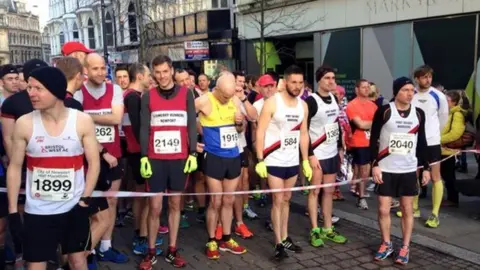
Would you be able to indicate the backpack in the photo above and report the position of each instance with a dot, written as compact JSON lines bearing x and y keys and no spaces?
{"x":466,"y":140}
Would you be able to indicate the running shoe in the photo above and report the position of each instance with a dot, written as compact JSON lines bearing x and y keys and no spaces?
{"x":184,"y":222}
{"x":174,"y":258}
{"x":248,"y":212}
{"x":256,"y":196}
{"x":416,"y":213}
{"x":218,"y":232}
{"x":163,"y":229}
{"x":337,"y":195}
{"x":142,"y":249}
{"x":201,"y":218}
{"x":432,"y":222}
{"x":371,"y":187}
{"x":212,"y":250}
{"x":269,"y":225}
{"x":362,"y":204}
{"x":385,"y":250}
{"x":232,"y":247}
{"x":315,"y":238}
{"x":263,"y":201}
{"x":136,"y":240}
{"x":10,"y":256}
{"x":119,"y":221}
{"x":242,"y":231}
{"x":305,"y":191}
{"x":112,"y":255}
{"x":189,"y":206}
{"x":280,"y":252}
{"x":129,"y":214}
{"x":148,"y":262}
{"x":395,"y":203}
{"x":403,"y":256}
{"x":291,"y":246}
{"x":335,"y":219}
{"x":92,"y":262}
{"x":332,"y":235}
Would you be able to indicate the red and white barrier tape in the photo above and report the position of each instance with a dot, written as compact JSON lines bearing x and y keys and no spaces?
{"x":124,"y":194}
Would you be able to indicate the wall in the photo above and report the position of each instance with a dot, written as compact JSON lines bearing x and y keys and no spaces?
{"x":334,"y":14}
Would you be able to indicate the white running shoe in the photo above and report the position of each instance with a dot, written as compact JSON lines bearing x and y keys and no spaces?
{"x":248,"y":212}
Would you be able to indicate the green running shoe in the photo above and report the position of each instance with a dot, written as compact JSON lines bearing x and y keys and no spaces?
{"x":315,"y":238}
{"x":332,"y":235}
{"x":432,"y":222}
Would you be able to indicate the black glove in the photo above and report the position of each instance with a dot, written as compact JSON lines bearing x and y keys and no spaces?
{"x":16,"y":227}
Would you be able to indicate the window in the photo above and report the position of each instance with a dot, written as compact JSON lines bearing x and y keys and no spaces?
{"x":91,"y":34}
{"x":219,"y":3}
{"x":109,"y":29}
{"x":75,"y":31}
{"x":62,"y":38}
{"x":132,"y":23}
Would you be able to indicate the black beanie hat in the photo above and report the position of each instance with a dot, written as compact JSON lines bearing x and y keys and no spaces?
{"x":53,"y":79}
{"x":31,"y":65}
{"x":7,"y":69}
{"x":399,"y":83}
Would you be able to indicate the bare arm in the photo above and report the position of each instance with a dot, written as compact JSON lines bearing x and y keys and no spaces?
{"x":251,"y":111}
{"x":115,"y":118}
{"x":238,"y":104}
{"x":262,"y":124}
{"x":304,"y":136}
{"x":14,"y":171}
{"x":145,"y":124}
{"x":90,"y":145}
{"x":365,"y":125}
{"x":8,"y":125}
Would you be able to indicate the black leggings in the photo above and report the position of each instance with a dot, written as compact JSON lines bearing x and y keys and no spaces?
{"x":447,"y":170}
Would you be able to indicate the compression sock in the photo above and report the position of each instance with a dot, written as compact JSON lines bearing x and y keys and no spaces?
{"x":415,"y":203}
{"x":437,"y":196}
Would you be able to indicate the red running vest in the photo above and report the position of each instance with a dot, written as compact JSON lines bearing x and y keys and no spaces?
{"x":168,"y":126}
{"x":132,"y":144}
{"x":108,"y":136}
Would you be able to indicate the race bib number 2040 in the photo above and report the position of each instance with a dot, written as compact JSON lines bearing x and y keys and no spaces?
{"x":52,"y":184}
{"x":401,"y":143}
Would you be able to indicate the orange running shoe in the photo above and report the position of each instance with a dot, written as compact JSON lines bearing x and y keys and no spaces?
{"x":242,"y":231}
{"x":219,"y":232}
{"x":212,"y":250}
{"x":232,"y":247}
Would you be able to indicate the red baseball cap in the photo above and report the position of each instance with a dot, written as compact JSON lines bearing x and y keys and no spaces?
{"x":265,"y":80}
{"x":74,"y":46}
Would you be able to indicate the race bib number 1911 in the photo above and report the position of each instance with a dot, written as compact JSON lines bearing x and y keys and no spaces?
{"x":52,"y":184}
{"x":228,"y":137}
{"x":401,"y":143}
{"x":105,"y":134}
{"x":167,"y":142}
{"x":290,"y":140}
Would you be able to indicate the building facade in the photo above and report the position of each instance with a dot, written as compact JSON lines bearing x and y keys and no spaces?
{"x":378,"y":40}
{"x":46,"y":49}
{"x":19,"y":33}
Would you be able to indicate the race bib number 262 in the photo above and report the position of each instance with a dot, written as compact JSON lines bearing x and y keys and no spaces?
{"x":105,"y":134}
{"x":52,"y":184}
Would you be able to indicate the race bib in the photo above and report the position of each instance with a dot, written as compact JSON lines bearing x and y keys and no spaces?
{"x":167,"y":142}
{"x":52,"y":184}
{"x":401,"y":143}
{"x":367,"y":134}
{"x":105,"y":134}
{"x":332,"y":132}
{"x":228,"y":137}
{"x":290,"y":140}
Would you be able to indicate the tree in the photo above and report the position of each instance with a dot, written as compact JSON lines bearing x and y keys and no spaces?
{"x":274,"y":18}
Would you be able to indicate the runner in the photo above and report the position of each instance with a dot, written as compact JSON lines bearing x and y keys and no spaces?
{"x":203,"y":83}
{"x":282,"y":136}
{"x":121,"y":77}
{"x":76,"y":49}
{"x":104,"y":103}
{"x":325,"y":154}
{"x":168,"y":140}
{"x":55,"y":140}
{"x":360,"y":113}
{"x":22,"y":83}
{"x":10,"y":80}
{"x":73,"y":71}
{"x":221,"y":120}
{"x":399,"y":143}
{"x":434,"y":104}
{"x":139,"y":82}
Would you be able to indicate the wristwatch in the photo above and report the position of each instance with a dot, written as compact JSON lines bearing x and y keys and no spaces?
{"x":86,"y":200}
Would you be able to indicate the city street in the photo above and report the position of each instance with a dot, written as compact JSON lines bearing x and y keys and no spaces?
{"x":356,"y":254}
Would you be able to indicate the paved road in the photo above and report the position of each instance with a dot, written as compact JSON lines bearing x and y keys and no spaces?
{"x":356,"y":254}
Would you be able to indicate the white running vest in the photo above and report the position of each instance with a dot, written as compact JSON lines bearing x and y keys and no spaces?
{"x":324,"y":130}
{"x":398,"y":142}
{"x":282,"y":137}
{"x":55,"y":173}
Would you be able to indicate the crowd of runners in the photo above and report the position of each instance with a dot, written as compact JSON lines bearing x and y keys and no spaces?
{"x":68,"y":131}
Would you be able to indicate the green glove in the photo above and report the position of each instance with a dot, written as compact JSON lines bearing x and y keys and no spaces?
{"x":145,"y":168}
{"x":307,"y":170}
{"x":261,"y":169}
{"x":191,"y":164}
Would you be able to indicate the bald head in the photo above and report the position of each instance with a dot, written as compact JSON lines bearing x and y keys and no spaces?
{"x":95,"y":68}
{"x":226,"y":85}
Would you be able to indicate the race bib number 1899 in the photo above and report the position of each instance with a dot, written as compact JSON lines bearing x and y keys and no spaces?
{"x":401,"y":143}
{"x":105,"y":134}
{"x":52,"y":184}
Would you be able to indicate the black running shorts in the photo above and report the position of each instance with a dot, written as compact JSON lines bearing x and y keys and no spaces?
{"x":330,"y":165}
{"x":398,"y":185}
{"x":167,"y":175}
{"x":221,"y":168}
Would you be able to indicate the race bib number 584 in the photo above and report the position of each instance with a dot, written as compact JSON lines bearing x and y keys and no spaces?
{"x":52,"y":184}
{"x":290,"y":140}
